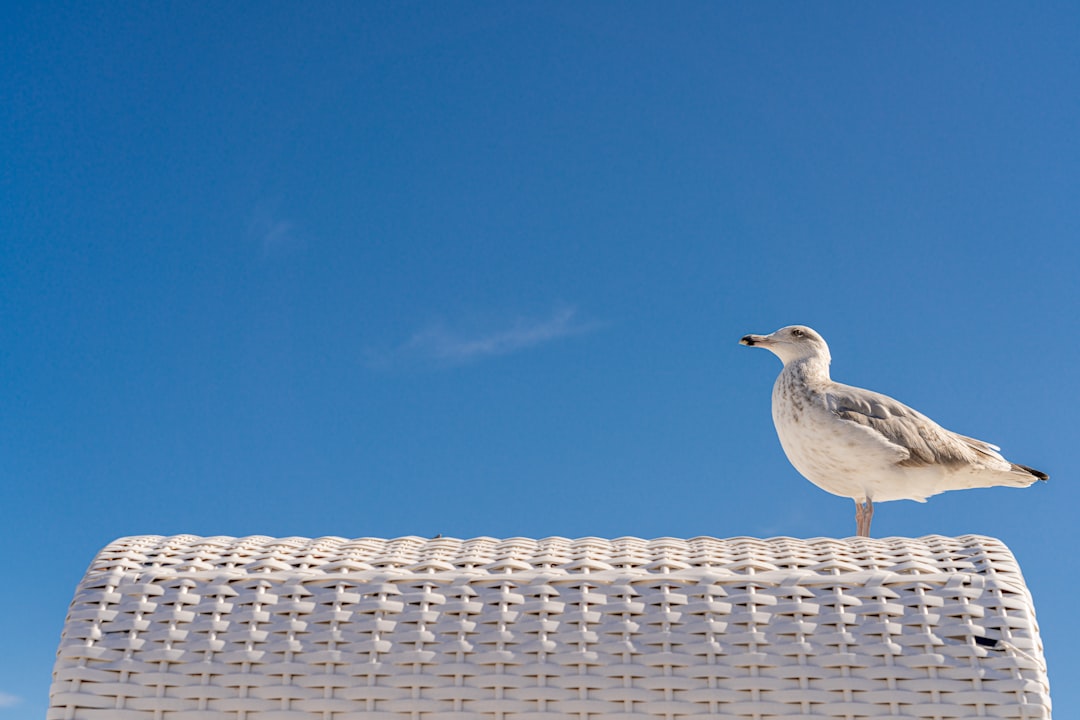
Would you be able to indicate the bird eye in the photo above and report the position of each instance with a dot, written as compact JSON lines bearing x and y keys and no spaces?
{"x":797,"y":332}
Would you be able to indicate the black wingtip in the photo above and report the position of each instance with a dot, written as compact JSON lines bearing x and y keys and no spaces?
{"x":1037,"y":473}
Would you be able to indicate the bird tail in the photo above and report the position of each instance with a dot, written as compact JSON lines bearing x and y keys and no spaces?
{"x":1018,"y":475}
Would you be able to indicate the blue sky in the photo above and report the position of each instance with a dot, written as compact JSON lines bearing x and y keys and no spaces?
{"x":381,"y":269}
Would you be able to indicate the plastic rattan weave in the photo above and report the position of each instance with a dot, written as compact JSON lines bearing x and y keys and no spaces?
{"x":258,"y":628}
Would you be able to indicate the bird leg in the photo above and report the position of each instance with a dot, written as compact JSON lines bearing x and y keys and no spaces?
{"x":864,"y":513}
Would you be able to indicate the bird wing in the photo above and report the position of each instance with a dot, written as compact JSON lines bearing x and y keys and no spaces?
{"x":925,"y":442}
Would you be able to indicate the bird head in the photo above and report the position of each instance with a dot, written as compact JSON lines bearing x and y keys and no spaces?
{"x":792,"y":343}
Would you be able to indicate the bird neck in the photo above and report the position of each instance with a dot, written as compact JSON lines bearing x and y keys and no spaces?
{"x":809,"y":369}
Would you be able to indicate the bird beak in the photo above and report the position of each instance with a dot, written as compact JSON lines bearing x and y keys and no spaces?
{"x":752,"y":340}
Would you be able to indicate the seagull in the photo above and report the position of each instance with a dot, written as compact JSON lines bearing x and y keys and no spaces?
{"x":867,"y":446}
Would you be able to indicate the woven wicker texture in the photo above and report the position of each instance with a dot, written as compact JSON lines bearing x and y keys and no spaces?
{"x":258,"y":628}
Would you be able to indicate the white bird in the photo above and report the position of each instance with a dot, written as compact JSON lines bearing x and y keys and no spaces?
{"x":867,"y":446}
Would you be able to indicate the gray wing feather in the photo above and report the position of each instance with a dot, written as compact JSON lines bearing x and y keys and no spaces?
{"x":926,"y":442}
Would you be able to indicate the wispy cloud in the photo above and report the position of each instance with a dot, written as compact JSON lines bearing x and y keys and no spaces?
{"x":7,"y":700}
{"x":275,"y":235}
{"x":443,"y":344}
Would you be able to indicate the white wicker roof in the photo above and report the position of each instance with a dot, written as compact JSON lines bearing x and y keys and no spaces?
{"x":258,"y":628}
